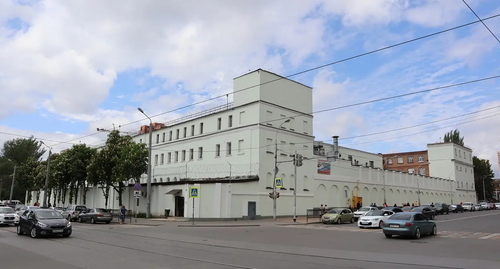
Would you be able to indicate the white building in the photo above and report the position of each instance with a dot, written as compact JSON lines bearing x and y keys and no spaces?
{"x":228,"y":153}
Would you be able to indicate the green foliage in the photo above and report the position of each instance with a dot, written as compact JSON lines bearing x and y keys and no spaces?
{"x":21,"y":149}
{"x":454,"y":136}
{"x":482,"y":170}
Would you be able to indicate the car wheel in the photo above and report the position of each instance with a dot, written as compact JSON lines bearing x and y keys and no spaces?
{"x":339,"y":221}
{"x":19,"y":230}
{"x":434,"y":230}
{"x":448,"y":212}
{"x":66,"y":235}
{"x":388,"y":235}
{"x":352,"y":220}
{"x":417,"y":233}
{"x":380,"y":224}
{"x":92,"y":220}
{"x":33,"y":233}
{"x":107,"y":222}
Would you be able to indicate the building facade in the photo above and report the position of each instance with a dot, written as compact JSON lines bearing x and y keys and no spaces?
{"x":228,"y":153}
{"x":415,"y":162}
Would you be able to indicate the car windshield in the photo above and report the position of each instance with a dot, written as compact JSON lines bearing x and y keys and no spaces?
{"x":334,"y":211}
{"x":417,"y":209}
{"x":375,"y":213}
{"x":437,"y":204}
{"x":48,"y":215}
{"x":400,"y":216}
{"x":80,"y":208}
{"x":4,"y":210}
{"x":364,"y":209}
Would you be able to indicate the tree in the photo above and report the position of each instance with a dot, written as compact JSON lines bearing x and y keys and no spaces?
{"x":21,"y":149}
{"x":33,"y":173}
{"x":454,"y":136}
{"x":6,"y":170}
{"x":79,"y":158}
{"x":61,"y":177}
{"x":482,"y":170}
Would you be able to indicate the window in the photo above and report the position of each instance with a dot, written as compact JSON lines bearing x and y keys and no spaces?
{"x":459,"y":153}
{"x":269,"y":145}
{"x":140,"y":140}
{"x":230,"y":121}
{"x":176,"y":156}
{"x":163,"y":138}
{"x":421,"y":171}
{"x":410,"y":159}
{"x":162,"y":159}
{"x":157,"y":138}
{"x":240,"y":145}
{"x":219,"y":123}
{"x":242,"y":117}
{"x":177,"y":134}
{"x":191,"y":154}
{"x":156,"y":159}
{"x":228,"y":148}
{"x":200,"y":153}
{"x":201,"y":127}
{"x":170,"y":136}
{"x":169,"y":157}
{"x":420,"y":159}
{"x":183,"y":158}
{"x":217,"y":150}
{"x":389,"y":160}
{"x":400,"y":159}
{"x":185,"y":132}
{"x":192,"y":130}
{"x":411,"y":171}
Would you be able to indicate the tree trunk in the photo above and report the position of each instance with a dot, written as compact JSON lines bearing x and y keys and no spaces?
{"x":76,"y":189}
{"x":105,"y":191}
{"x":65,"y":190}
{"x":85,"y":190}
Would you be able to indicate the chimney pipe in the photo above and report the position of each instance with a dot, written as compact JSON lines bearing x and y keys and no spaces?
{"x":336,"y":146}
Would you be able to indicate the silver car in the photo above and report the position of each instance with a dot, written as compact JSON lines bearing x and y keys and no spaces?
{"x":8,"y":216}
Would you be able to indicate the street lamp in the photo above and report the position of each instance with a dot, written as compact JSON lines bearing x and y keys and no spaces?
{"x":46,"y":186}
{"x":148,"y":184}
{"x":418,"y":179}
{"x":276,"y":167}
{"x":484,"y":189}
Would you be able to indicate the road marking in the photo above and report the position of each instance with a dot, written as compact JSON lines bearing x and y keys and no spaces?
{"x":489,"y":236}
{"x":471,"y":217}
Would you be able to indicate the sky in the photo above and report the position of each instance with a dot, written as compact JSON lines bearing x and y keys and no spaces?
{"x":70,"y":67}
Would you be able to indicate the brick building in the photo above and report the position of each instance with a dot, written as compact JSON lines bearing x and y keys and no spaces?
{"x":415,"y":162}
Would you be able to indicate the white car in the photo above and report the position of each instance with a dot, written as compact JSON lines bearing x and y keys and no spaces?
{"x":362,"y":211}
{"x":8,"y":216}
{"x":497,"y":205}
{"x":374,"y":218}
{"x":468,"y":206}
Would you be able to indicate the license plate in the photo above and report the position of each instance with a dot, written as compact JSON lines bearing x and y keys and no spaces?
{"x":394,"y":226}
{"x":364,"y":222}
{"x":57,"y":231}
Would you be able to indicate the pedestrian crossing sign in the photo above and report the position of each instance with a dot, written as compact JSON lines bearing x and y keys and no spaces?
{"x":193,"y":192}
{"x":278,"y":182}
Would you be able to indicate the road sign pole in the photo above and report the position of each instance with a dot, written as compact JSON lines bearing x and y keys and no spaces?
{"x":136,"y":201}
{"x":193,"y":211}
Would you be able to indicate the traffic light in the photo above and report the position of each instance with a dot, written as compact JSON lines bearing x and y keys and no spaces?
{"x":299,"y":159}
{"x":277,"y":195}
{"x":271,"y":195}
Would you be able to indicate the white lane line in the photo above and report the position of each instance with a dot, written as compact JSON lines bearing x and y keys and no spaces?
{"x":471,"y":217}
{"x":489,"y":236}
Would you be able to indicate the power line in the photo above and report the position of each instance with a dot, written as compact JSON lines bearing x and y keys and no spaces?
{"x":319,"y":67}
{"x":491,"y":32}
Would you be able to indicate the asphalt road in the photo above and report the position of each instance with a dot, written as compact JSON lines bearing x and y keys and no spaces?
{"x":468,"y":240}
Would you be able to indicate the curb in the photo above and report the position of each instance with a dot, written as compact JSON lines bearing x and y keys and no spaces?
{"x":217,"y":226}
{"x":292,"y":224}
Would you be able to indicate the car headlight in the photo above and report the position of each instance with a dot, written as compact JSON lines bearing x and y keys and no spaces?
{"x":375,"y":219}
{"x":68,"y":225}
{"x":43,"y":225}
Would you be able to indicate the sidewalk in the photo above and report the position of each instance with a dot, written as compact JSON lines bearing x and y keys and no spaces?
{"x":185,"y":222}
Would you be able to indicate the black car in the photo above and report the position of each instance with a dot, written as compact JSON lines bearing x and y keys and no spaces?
{"x":43,"y":222}
{"x":426,"y":211}
{"x":442,"y":208}
{"x":394,"y":209}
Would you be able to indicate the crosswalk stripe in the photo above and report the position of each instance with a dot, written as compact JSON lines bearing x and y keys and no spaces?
{"x":489,"y":236}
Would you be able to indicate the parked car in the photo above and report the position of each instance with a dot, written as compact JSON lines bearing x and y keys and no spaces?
{"x":375,"y":218}
{"x":409,"y":224}
{"x":484,"y":205}
{"x":394,"y":209}
{"x":468,"y":206}
{"x":338,"y":215}
{"x":43,"y":222}
{"x":72,"y":211}
{"x":442,"y":208}
{"x":478,"y":207}
{"x":426,"y":211}
{"x":407,"y":208}
{"x":456,"y":208}
{"x":95,"y":215}
{"x":21,"y":210}
{"x":497,"y":205}
{"x":8,"y":216}
{"x":362,"y":211}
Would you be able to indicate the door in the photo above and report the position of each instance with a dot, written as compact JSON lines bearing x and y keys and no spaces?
{"x":179,"y":206}
{"x":252,"y":210}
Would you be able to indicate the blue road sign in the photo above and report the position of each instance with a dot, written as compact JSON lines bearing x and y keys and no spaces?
{"x":279,"y":182}
{"x":137,"y":186}
{"x":193,"y":192}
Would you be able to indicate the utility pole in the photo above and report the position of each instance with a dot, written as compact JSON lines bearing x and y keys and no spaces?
{"x":148,"y":184}
{"x":12,"y":184}
{"x":383,"y":178}
{"x":276,"y":168}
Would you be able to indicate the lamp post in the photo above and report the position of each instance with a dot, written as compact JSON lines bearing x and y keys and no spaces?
{"x":12,"y":184}
{"x":484,"y":189}
{"x":148,"y":184}
{"x":276,"y":167}
{"x":46,"y":185}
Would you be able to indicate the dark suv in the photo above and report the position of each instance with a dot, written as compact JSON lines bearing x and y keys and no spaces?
{"x":442,"y":208}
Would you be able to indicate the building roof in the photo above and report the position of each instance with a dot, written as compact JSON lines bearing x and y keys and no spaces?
{"x":281,"y":77}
